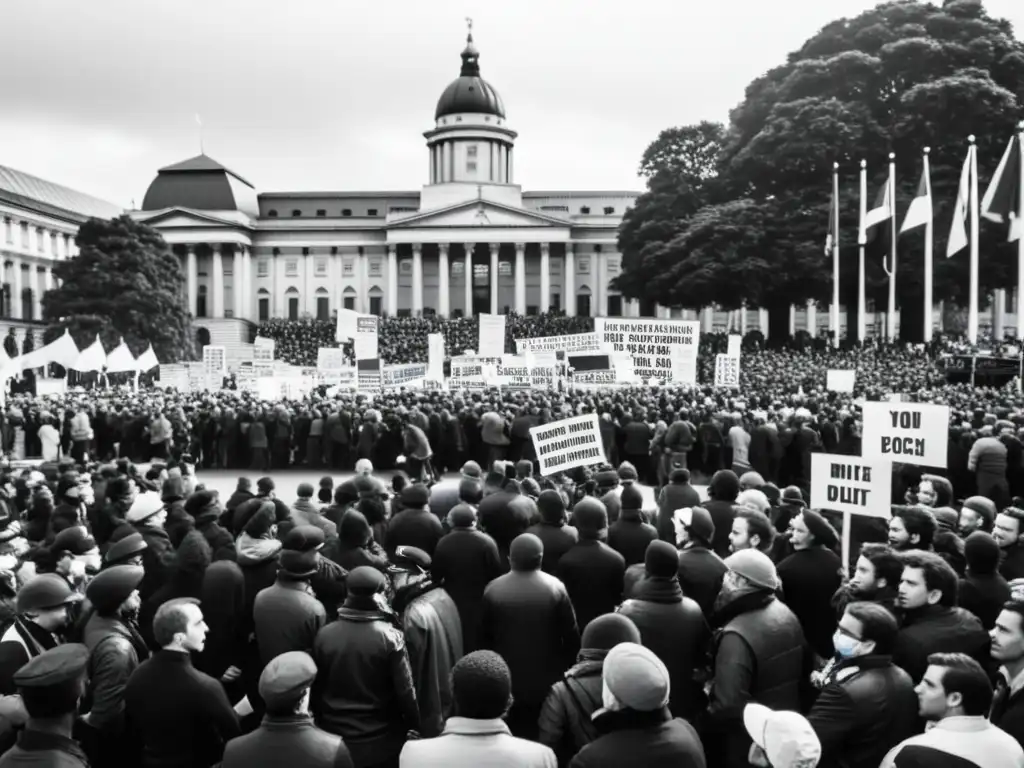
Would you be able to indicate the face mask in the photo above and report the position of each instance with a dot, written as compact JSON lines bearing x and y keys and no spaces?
{"x":845,"y":645}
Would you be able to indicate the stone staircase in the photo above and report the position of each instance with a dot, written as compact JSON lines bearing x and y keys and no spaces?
{"x":232,"y":334}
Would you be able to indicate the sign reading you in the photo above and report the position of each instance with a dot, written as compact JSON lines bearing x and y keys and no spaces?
{"x":568,"y":443}
{"x":909,"y":433}
{"x":850,"y":484}
{"x":650,"y":342}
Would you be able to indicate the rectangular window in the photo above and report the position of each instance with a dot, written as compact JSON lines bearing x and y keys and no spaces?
{"x":471,"y":166}
{"x":556,"y":302}
{"x":583,"y":265}
{"x":293,"y":309}
{"x":504,"y":268}
{"x":40,"y":240}
{"x":583,"y":304}
{"x":375,"y":268}
{"x":262,"y":268}
{"x":264,"y":310}
{"x":531,"y":309}
{"x":405,"y":313}
{"x":375,"y":305}
{"x":291,"y":268}
{"x":405,"y":267}
{"x":348,"y":268}
{"x":471,"y":151}
{"x":350,"y":302}
{"x":371,"y":212}
{"x":323,"y":308}
{"x":321,"y":267}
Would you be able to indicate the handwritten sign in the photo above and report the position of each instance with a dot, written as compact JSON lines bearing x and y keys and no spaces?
{"x":576,"y":342}
{"x":568,"y":443}
{"x":840,"y":380}
{"x":851,"y":484}
{"x":365,"y":341}
{"x":649,"y":341}
{"x":727,"y":371}
{"x":910,"y":433}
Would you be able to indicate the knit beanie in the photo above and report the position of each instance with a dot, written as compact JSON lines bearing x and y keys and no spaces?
{"x":461,"y":516}
{"x":470,"y":491}
{"x":481,"y":686}
{"x":526,"y":552}
{"x":820,"y":528}
{"x":627,"y":472}
{"x":947,"y":518}
{"x":661,"y":559}
{"x":551,"y":506}
{"x":605,"y":632}
{"x":631,"y":497}
{"x":755,"y":566}
{"x":981,"y":553}
{"x":590,"y":515}
{"x":984,"y":506}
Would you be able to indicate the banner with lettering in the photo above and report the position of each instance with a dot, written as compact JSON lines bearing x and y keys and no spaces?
{"x":366,"y":337}
{"x":650,"y":342}
{"x":727,"y":371}
{"x":851,"y":484}
{"x":368,"y":376}
{"x":514,"y":373}
{"x":570,"y":344}
{"x":467,"y":371}
{"x":568,"y":443}
{"x":909,"y":433}
{"x":491,"y":339}
{"x":410,"y":376}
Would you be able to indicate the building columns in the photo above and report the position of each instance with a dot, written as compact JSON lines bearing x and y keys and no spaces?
{"x":16,"y":292}
{"x":37,"y":293}
{"x":238,"y":283}
{"x":417,"y":280}
{"x":443,"y":276}
{"x":569,"y":274}
{"x":493,"y":275}
{"x":191,"y":279}
{"x":468,"y":311}
{"x":545,"y":277}
{"x":521,"y":278}
{"x":393,"y":280}
{"x":812,"y":319}
{"x":217,"y":291}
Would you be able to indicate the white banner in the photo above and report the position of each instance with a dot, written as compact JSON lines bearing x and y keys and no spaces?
{"x":410,"y":375}
{"x":649,"y":341}
{"x":492,"y":334}
{"x":514,"y":373}
{"x":684,"y":364}
{"x":215,"y":361}
{"x":568,"y":443}
{"x":571,"y":344}
{"x":467,"y":372}
{"x":727,"y":371}
{"x":851,"y":484}
{"x":840,"y":380}
{"x":329,"y":359}
{"x":909,"y":433}
{"x":366,"y":337}
{"x":435,"y":356}
{"x":735,"y":345}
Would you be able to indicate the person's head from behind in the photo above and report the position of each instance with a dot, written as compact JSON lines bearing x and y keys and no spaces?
{"x":526,"y":552}
{"x":926,"y":580}
{"x":285,"y":683}
{"x":263,"y":524}
{"x":953,"y":685}
{"x":179,"y":626}
{"x":865,"y":629}
{"x":53,"y":684}
{"x":481,"y":686}
{"x":911,"y":528}
{"x":878,"y":568}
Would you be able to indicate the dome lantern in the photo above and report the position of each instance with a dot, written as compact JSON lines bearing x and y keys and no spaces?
{"x":469,"y":93}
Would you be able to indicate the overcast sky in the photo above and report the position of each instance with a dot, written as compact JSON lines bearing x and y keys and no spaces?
{"x":335,"y":94}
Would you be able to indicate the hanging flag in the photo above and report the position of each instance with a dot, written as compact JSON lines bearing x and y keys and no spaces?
{"x":920,"y":211}
{"x":1002,"y":200}
{"x":958,"y":231}
{"x":878,"y":214}
{"x":833,"y":225}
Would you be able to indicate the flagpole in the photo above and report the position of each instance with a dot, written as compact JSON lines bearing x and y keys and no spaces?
{"x":1020,"y":238}
{"x":929,"y":240}
{"x":835,"y":255}
{"x":862,"y":239}
{"x":972,"y":304}
{"x":892,"y":247}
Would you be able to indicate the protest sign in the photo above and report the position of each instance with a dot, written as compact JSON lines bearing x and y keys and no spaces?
{"x":435,"y":356}
{"x":735,"y":343}
{"x":492,"y":334}
{"x":840,"y":380}
{"x":366,"y":337}
{"x":570,"y":344}
{"x":514,"y":372}
{"x":329,"y":359}
{"x":568,"y":443}
{"x":684,"y":364}
{"x":851,"y":484}
{"x":727,"y":371}
{"x":649,"y":341}
{"x":347,"y":325}
{"x":215,"y":361}
{"x":467,"y":371}
{"x":368,"y":375}
{"x":410,"y":375}
{"x":910,"y":433}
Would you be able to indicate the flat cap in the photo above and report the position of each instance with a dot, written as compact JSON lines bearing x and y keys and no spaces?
{"x":286,"y":678}
{"x":125,"y":548}
{"x":144,"y":507}
{"x":75,"y":540}
{"x":56,"y":666}
{"x":48,"y":590}
{"x":112,"y":586}
{"x":365,"y":580}
{"x":298,"y":565}
{"x":820,"y":528}
{"x":415,"y":495}
{"x":304,"y":538}
{"x":411,"y":557}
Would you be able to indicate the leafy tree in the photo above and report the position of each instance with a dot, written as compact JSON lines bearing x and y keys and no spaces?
{"x":896,"y":78}
{"x":126,"y":283}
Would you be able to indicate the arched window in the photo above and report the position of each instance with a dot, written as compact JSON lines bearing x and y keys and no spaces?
{"x":583,"y":301}
{"x":27,"y":305}
{"x":376,"y":296}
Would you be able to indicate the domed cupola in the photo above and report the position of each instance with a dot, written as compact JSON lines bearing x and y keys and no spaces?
{"x":469,"y":93}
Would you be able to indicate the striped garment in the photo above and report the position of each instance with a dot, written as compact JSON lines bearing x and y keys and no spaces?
{"x":958,"y":742}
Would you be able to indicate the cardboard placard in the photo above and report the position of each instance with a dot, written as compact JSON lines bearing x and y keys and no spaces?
{"x":649,"y":341}
{"x":568,"y":443}
{"x":576,"y":342}
{"x":840,"y":380}
{"x":909,"y":433}
{"x":851,"y":484}
{"x":727,"y":371}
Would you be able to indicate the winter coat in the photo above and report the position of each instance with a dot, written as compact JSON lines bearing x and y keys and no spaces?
{"x":593,"y":575}
{"x":983,"y":595}
{"x":157,"y":559}
{"x":287,"y":617}
{"x":938,"y":629}
{"x":469,"y":743}
{"x":415,"y":528}
{"x":557,"y":540}
{"x":565,"y":718}
{"x":115,"y":651}
{"x":675,"y":495}
{"x":465,"y":562}
{"x":287,"y":740}
{"x":700,"y":575}
{"x":630,"y":535}
{"x":810,"y":577}
{"x":651,"y":739}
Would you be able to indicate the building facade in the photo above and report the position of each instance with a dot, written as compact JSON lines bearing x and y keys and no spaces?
{"x":471,"y":240}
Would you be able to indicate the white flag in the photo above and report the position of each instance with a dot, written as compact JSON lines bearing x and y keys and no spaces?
{"x":958,"y":231}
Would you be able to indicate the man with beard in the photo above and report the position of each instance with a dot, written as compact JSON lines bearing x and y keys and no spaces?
{"x":977,"y":514}
{"x":1008,"y":532}
{"x":934,"y":492}
{"x":751,"y":529}
{"x":115,"y":651}
{"x":911,"y":528}
{"x":876,"y":579}
{"x":42,"y":606}
{"x":433,"y":634}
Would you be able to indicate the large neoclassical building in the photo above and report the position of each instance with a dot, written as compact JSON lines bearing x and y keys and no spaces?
{"x":471,"y":240}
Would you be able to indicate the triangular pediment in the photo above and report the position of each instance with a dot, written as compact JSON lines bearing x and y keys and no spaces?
{"x":477,"y":213}
{"x":184,"y":218}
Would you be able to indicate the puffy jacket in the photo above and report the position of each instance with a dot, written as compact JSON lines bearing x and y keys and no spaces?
{"x":938,"y":629}
{"x":565,"y":718}
{"x":866,"y":707}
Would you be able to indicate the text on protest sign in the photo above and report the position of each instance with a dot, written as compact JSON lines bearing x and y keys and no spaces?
{"x":649,"y":341}
{"x":851,"y":484}
{"x":366,"y":337}
{"x":568,"y":443}
{"x":910,"y":433}
{"x":406,"y":375}
{"x":330,"y":359}
{"x":727,"y":371}
{"x":577,"y":342}
{"x":514,"y":372}
{"x":492,"y":334}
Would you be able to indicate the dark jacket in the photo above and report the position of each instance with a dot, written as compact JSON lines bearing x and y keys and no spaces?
{"x":465,"y":562}
{"x":557,"y":540}
{"x":673,"y":627}
{"x":287,"y":617}
{"x":565,"y":718}
{"x":722,"y":515}
{"x":1008,"y":710}
{"x":866,"y":707}
{"x":329,"y":584}
{"x":938,"y":629}
{"x":115,"y":650}
{"x":630,"y":535}
{"x":527,"y":618}
{"x":700,"y":575}
{"x":675,"y":495}
{"x":810,"y":577}
{"x":157,"y":559}
{"x":364,"y":690}
{"x":188,"y":723}
{"x":415,"y":528}
{"x":650,"y":739}
{"x":292,"y":740}
{"x":593,"y":575}
{"x":983,"y":595}
{"x":38,"y":749}
{"x":1011,"y":563}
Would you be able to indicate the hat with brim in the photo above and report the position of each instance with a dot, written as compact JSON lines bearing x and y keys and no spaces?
{"x":145,"y":506}
{"x":298,"y":565}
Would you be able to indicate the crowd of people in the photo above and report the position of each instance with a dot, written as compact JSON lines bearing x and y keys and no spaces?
{"x":510,"y":618}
